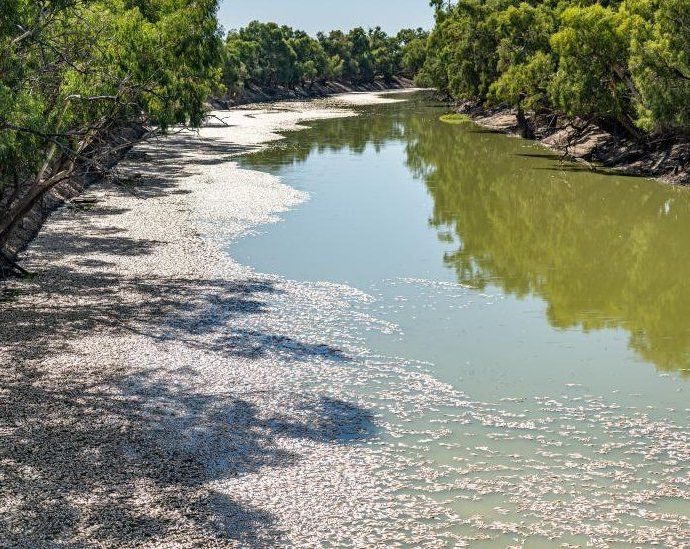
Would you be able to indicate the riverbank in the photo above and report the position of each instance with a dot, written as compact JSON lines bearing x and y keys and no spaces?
{"x":595,"y":148}
{"x":30,"y":225}
{"x":142,"y":404}
{"x":317,"y":90}
{"x":114,"y":148}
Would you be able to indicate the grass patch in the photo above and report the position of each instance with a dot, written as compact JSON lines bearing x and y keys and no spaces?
{"x":455,"y":118}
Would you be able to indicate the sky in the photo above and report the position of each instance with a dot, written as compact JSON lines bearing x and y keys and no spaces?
{"x":315,"y":15}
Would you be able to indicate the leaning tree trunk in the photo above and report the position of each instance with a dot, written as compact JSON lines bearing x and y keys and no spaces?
{"x":23,"y":206}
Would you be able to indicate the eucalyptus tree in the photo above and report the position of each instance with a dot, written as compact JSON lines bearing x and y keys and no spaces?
{"x":78,"y":73}
{"x":592,"y":79}
{"x":623,"y":64}
{"x":660,"y":62}
{"x":413,"y":50}
{"x":270,"y":56}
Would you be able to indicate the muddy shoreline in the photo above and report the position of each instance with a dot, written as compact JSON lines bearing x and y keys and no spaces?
{"x":593,"y":147}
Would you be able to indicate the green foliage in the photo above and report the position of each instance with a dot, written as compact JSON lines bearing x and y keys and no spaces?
{"x":525,"y":84}
{"x":72,"y":71}
{"x":412,"y":54}
{"x":525,"y":65}
{"x":267,"y":55}
{"x":455,"y":118}
{"x":660,"y":62}
{"x":623,"y":64}
{"x":463,"y":50}
{"x":592,"y":52}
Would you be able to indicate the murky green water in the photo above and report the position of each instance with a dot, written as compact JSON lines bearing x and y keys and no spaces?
{"x":556,"y":299}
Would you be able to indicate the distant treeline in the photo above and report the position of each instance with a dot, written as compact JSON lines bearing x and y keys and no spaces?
{"x":268,"y":55}
{"x":624,"y":65}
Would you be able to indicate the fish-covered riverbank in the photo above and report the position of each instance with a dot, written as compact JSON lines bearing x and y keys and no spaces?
{"x":159,"y":390}
{"x":148,"y":379}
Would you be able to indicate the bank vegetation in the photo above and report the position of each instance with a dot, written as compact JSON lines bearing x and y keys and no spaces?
{"x":619,"y":67}
{"x":269,"y":57}
{"x":82,"y":80}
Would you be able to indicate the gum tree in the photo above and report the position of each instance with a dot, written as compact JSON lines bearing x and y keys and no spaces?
{"x":77,"y":73}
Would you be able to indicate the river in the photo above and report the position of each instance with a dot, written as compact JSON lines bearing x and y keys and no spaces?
{"x":554,"y":299}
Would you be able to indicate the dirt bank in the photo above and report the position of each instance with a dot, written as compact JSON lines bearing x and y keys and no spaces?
{"x":253,"y":94}
{"x":667,"y":160}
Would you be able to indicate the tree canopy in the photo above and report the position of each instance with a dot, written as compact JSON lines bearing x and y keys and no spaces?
{"x":624,"y":64}
{"x":75,"y":71}
{"x":269,"y":55}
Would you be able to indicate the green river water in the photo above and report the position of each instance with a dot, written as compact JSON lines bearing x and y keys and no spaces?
{"x":556,"y":299}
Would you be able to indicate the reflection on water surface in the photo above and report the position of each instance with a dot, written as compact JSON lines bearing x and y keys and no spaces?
{"x":534,"y":296}
{"x":603,"y":251}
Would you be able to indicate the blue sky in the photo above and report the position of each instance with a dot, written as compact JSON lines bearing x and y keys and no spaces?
{"x":315,"y":15}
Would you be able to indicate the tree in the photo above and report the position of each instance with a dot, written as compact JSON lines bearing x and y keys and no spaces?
{"x":413,"y":50}
{"x":660,"y":62}
{"x":74,"y":74}
{"x":525,"y":64}
{"x":592,"y":79}
{"x":312,"y":62}
{"x":266,"y":55}
{"x":621,"y":64}
{"x":462,"y":54}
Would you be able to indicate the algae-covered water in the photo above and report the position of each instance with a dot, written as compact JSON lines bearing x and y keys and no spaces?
{"x":554,"y":299}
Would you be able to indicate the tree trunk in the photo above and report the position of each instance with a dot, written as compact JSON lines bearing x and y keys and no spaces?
{"x":23,"y":206}
{"x":525,"y":128}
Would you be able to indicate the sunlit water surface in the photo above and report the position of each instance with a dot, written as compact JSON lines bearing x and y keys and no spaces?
{"x":556,"y":299}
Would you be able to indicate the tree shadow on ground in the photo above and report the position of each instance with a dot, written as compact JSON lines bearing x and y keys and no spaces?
{"x":98,"y":451}
{"x":94,"y":453}
{"x":125,"y":460}
{"x":158,"y":163}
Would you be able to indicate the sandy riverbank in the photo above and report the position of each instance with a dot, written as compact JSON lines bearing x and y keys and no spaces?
{"x":156,"y":393}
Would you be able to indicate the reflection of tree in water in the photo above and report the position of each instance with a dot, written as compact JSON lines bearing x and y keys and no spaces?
{"x":602,"y":251}
{"x":375,"y":126}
